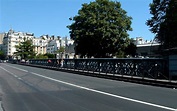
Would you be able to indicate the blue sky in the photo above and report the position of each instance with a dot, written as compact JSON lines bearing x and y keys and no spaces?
{"x":52,"y":16}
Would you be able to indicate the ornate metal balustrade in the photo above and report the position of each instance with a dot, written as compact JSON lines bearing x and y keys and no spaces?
{"x":145,"y":68}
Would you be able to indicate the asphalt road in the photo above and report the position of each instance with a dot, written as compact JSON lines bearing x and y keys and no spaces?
{"x":26,"y":88}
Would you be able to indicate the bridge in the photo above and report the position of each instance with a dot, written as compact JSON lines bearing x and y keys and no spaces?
{"x":152,"y":71}
{"x":25,"y":88}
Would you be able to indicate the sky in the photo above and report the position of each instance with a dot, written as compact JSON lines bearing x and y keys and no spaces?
{"x":51,"y":17}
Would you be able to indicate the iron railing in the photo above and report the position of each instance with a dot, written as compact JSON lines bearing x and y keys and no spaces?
{"x":154,"y":68}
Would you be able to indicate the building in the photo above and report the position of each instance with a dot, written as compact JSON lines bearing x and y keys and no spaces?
{"x":53,"y":46}
{"x":1,"y":47}
{"x":146,"y":48}
{"x":69,"y":48}
{"x":40,"y":45}
{"x":1,"y":41}
{"x":11,"y":39}
{"x":1,"y":38}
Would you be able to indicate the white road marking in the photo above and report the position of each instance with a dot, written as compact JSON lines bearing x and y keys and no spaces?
{"x":9,"y":72}
{"x":1,"y":109}
{"x":20,"y":78}
{"x":97,"y":91}
{"x":17,"y":68}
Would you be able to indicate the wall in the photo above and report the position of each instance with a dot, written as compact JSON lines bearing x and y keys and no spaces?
{"x":173,"y":65}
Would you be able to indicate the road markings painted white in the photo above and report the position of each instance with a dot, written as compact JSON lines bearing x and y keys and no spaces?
{"x":97,"y":91}
{"x":105,"y":93}
{"x":19,"y":78}
{"x":9,"y":72}
{"x":1,"y":109}
{"x":17,"y":68}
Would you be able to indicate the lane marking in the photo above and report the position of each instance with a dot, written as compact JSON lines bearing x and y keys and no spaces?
{"x":105,"y":93}
{"x":97,"y":91}
{"x":20,"y":78}
{"x":9,"y":72}
{"x":17,"y":68}
{"x":17,"y":76}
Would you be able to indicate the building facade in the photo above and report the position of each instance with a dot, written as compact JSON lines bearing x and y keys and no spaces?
{"x":146,"y":48}
{"x":11,"y":39}
{"x":53,"y":46}
{"x":1,"y":38}
{"x":42,"y":45}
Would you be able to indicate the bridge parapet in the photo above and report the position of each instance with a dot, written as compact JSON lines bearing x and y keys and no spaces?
{"x":155,"y":68}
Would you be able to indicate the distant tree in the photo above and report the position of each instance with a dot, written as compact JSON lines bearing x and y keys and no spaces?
{"x":25,"y":49}
{"x":61,"y":50}
{"x":41,"y":56}
{"x":2,"y":55}
{"x":163,"y":23}
{"x":49,"y":55}
{"x":100,"y":29}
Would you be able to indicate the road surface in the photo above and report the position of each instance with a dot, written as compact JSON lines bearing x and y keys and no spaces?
{"x":25,"y":88}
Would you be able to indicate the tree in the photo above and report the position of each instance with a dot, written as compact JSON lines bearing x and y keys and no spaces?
{"x":49,"y":55}
{"x":163,"y":23}
{"x":2,"y":55}
{"x":61,"y":50}
{"x":25,"y":49}
{"x":100,"y":29}
{"x":131,"y":49}
{"x":41,"y":56}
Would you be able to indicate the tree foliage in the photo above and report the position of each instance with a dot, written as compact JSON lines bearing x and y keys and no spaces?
{"x":131,"y":49}
{"x":100,"y":29}
{"x":25,"y":50}
{"x":2,"y":55}
{"x":163,"y":23}
{"x":61,"y":50}
{"x":41,"y":56}
{"x":49,"y":55}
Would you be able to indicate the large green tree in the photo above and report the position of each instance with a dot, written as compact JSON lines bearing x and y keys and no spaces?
{"x":25,"y":50}
{"x":163,"y":22}
{"x":100,"y":29}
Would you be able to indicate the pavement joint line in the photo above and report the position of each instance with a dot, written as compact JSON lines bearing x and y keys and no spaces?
{"x":93,"y":90}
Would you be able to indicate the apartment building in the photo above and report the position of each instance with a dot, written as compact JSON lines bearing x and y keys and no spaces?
{"x":53,"y":46}
{"x":12,"y":38}
{"x":43,"y":44}
{"x":40,"y":45}
{"x":1,"y":47}
{"x":1,"y":38}
{"x":146,"y":48}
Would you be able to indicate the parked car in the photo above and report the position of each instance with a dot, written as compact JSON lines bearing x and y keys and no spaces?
{"x":3,"y":61}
